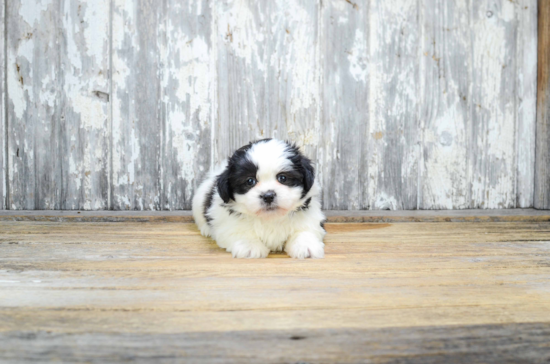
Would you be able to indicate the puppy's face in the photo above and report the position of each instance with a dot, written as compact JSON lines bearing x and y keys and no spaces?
{"x":266,"y":178}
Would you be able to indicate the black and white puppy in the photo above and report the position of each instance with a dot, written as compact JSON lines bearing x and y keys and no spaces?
{"x":265,"y":199}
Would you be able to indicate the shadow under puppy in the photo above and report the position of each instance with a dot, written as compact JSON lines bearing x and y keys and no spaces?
{"x":265,"y":199}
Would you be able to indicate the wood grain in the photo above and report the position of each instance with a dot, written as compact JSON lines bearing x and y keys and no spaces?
{"x":445,"y":116}
{"x":402,"y":104}
{"x":103,"y":291}
{"x":498,"y":343}
{"x":526,"y":102}
{"x":511,"y":215}
{"x":34,"y":87}
{"x":268,"y":82}
{"x":58,"y":91}
{"x":136,"y":90}
{"x":344,"y":40}
{"x":493,"y":148}
{"x":3,"y":119}
{"x":85,"y":105}
{"x":542,"y":163}
{"x":393,"y":105}
{"x":188,"y":99}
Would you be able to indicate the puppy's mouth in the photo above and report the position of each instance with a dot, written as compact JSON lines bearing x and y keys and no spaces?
{"x":271,"y":210}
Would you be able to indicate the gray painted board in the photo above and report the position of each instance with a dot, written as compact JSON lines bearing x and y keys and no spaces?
{"x":402,"y":104}
{"x":85,"y":111}
{"x":445,"y":117}
{"x":136,"y":90}
{"x":34,"y":104}
{"x":343,"y":150}
{"x":188,"y":85}
{"x":58,"y":104}
{"x":393,"y":104}
{"x":542,"y":171}
{"x":478,"y":104}
{"x":268,"y":82}
{"x":3,"y":130}
{"x":526,"y":98}
{"x":493,"y":147}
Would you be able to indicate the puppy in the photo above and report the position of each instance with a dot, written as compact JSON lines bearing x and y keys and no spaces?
{"x":265,"y":199}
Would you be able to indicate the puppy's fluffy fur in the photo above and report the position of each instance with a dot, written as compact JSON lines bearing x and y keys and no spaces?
{"x":264,"y":199}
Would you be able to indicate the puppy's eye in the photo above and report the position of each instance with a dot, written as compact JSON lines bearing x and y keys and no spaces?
{"x":251,"y":181}
{"x":281,"y":178}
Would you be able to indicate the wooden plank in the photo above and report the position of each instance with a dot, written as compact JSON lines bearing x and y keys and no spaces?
{"x":526,"y":101}
{"x":34,"y":84}
{"x":188,"y":99}
{"x":84,"y":101}
{"x":58,"y":88}
{"x":445,"y":112}
{"x":268,"y":82}
{"x":344,"y":141}
{"x":511,"y":215}
{"x":3,"y":121}
{"x":136,"y":118}
{"x":498,"y":343}
{"x":393,"y":105}
{"x":428,"y":292}
{"x":542,"y":164}
{"x":493,"y":157}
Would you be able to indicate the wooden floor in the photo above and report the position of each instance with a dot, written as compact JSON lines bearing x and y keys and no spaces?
{"x":385,"y":293}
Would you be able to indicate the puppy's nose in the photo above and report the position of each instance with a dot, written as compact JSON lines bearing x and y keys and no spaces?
{"x":268,"y":197}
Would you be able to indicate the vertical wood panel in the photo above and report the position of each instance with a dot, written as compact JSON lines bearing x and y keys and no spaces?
{"x":542,"y":166}
{"x":344,"y":136}
{"x":188,"y":102}
{"x":34,"y":104}
{"x":58,"y":104}
{"x":137,"y":121}
{"x":446,"y":80}
{"x":267,"y":73}
{"x":84,"y":100}
{"x":493,"y":151}
{"x":3,"y":129}
{"x":394,"y":41}
{"x":526,"y":103}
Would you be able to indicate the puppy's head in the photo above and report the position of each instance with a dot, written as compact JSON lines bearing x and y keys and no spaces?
{"x":266,"y":178}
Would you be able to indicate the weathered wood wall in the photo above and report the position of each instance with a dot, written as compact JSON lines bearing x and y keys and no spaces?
{"x":403,"y":104}
{"x":542,"y":163}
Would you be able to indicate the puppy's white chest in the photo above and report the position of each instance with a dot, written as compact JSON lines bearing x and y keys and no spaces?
{"x":273,"y":234}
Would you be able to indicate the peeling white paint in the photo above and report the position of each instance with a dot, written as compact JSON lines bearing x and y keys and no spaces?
{"x":272,"y":65}
{"x":357,"y":57}
{"x":236,"y":27}
{"x":495,"y":188}
{"x":385,"y":202}
{"x":30,"y":13}
{"x":16,"y":91}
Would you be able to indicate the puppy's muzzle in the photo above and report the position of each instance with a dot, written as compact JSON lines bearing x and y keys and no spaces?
{"x":268,"y":197}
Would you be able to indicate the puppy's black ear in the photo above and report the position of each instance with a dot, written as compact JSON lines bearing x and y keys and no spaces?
{"x":224,"y":188}
{"x":308,"y":172}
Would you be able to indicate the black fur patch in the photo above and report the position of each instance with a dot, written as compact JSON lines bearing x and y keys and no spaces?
{"x":305,"y":206}
{"x":208,"y":203}
{"x":232,"y":212}
{"x":239,"y":169}
{"x":303,"y":171}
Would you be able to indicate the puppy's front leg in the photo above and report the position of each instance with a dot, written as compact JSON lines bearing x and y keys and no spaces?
{"x":248,"y":249}
{"x":305,"y":244}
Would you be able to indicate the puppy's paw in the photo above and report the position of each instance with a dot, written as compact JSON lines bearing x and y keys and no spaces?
{"x":247,"y":249}
{"x":305,"y":245}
